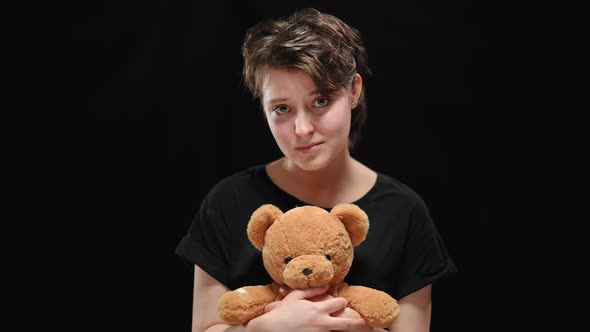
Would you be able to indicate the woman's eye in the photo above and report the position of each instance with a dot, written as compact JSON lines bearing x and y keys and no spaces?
{"x":280,"y":109}
{"x":321,"y":102}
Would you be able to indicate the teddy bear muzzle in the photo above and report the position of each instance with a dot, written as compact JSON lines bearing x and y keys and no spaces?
{"x":308,"y":271}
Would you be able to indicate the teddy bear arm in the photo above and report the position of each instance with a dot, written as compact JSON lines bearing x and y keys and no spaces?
{"x":239,"y":306}
{"x":378,"y":308}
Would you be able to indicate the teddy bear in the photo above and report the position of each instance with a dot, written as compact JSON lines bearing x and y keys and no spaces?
{"x":306,"y":247}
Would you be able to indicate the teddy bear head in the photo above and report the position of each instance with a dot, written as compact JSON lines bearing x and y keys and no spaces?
{"x":308,"y":246}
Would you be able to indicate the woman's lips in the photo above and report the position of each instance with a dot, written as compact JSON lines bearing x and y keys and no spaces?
{"x":310,"y":147}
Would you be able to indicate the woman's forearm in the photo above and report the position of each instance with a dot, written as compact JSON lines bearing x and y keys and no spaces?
{"x":226,"y":328}
{"x":251,"y":326}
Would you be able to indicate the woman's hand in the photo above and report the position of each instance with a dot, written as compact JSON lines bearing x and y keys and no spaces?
{"x":351,"y":313}
{"x":345,"y":312}
{"x":300,"y":311}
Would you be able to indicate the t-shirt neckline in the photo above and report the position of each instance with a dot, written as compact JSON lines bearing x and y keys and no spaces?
{"x":263,"y":173}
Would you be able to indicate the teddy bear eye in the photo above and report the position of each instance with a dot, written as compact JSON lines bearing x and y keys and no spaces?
{"x":288,"y":259}
{"x":329,"y":257}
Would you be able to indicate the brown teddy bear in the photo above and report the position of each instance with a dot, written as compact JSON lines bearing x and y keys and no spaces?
{"x":308,"y":247}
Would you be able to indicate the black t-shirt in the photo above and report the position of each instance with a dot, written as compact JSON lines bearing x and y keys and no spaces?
{"x":402,"y":253}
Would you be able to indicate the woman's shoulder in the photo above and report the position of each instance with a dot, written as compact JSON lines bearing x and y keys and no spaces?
{"x":240,"y":183}
{"x":391,"y":186}
{"x":239,"y":179}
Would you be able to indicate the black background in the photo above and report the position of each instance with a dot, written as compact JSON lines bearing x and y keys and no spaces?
{"x":126,"y":113}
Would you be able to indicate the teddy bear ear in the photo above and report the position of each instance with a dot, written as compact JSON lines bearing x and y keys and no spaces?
{"x":260,"y":221}
{"x":355,"y":221}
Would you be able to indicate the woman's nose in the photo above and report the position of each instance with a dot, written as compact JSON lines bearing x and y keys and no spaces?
{"x":303,"y":124}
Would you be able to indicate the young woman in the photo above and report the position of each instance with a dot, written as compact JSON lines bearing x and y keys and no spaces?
{"x":307,"y":71}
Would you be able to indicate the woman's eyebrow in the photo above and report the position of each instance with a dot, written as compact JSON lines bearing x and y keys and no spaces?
{"x":276,"y":100}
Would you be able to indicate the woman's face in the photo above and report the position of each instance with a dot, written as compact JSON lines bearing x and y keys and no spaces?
{"x":310,"y":129}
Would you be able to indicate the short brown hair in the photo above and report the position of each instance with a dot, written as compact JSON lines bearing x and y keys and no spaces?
{"x":322,"y":45}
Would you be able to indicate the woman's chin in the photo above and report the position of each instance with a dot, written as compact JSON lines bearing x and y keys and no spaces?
{"x":310,"y":165}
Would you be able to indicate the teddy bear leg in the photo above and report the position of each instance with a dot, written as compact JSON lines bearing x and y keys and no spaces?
{"x":243,"y":304}
{"x":377,"y":308}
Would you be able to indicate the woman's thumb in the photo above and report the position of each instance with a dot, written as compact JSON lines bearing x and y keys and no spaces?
{"x":271,"y":306}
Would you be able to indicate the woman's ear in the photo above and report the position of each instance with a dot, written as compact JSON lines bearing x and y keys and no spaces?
{"x":356,"y":88}
{"x":260,"y":221}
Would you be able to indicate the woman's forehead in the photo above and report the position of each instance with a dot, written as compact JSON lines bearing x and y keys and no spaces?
{"x":277,"y":83}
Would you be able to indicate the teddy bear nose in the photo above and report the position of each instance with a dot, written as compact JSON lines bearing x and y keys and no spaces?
{"x":307,"y":271}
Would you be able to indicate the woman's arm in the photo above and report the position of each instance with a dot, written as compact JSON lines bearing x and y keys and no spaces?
{"x":344,"y":313}
{"x":415,"y":312}
{"x":293,"y":313}
{"x":206,"y":292}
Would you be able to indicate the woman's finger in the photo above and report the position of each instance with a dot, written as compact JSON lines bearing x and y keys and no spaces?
{"x":285,"y":290}
{"x":333,"y":305}
{"x":271,"y":306}
{"x":346,"y":313}
{"x":335,"y":323}
{"x":300,"y":294}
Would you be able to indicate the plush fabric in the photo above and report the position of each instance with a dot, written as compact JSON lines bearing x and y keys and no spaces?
{"x":308,"y":247}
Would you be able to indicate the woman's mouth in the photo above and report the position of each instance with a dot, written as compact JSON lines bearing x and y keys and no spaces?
{"x":309,"y":147}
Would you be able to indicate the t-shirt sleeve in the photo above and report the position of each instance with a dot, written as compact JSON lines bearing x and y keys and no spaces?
{"x":425,"y":259}
{"x":205,"y":243}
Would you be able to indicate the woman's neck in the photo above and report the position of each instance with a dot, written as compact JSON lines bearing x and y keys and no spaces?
{"x":330,"y":176}
{"x":343,"y":181}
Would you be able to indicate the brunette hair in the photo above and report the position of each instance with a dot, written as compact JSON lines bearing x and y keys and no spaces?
{"x":322,"y":45}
